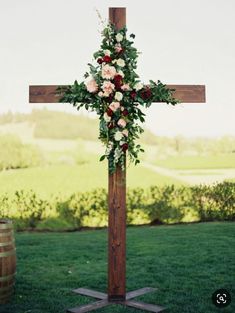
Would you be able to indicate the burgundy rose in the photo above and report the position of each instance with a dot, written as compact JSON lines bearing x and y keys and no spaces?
{"x":110,"y":98}
{"x":100,"y":60}
{"x":117,"y":77}
{"x":107,"y":59}
{"x":146,"y":94}
{"x":124,"y":147}
{"x":125,"y":112}
{"x":111,"y":125}
{"x":133,"y":94}
{"x":118,"y":81}
{"x":109,"y":112}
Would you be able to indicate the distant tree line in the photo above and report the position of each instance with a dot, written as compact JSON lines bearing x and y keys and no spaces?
{"x":61,"y":125}
{"x":14,"y":154}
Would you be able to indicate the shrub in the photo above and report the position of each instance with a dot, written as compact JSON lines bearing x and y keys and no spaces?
{"x":168,"y":204}
{"x":214,"y":203}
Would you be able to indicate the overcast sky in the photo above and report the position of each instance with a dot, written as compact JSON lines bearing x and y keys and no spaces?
{"x":182,"y":42}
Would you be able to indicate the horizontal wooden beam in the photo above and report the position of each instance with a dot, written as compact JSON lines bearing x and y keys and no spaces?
{"x":185,"y":93}
{"x":189,"y":93}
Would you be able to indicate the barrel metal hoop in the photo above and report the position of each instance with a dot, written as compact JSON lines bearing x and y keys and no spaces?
{"x":8,"y":243}
{"x":7,"y":253}
{"x":6,"y":295}
{"x":6,"y":278}
{"x":7,"y":234}
{"x":2,"y":289}
{"x":6,"y":226}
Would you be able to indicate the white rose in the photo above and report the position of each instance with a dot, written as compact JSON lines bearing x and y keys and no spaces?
{"x":118,"y":96}
{"x":107,"y":118}
{"x":118,"y":136}
{"x":119,"y":37}
{"x":121,"y":73}
{"x":125,"y":132}
{"x":121,"y":62}
{"x":138,"y":86}
{"x":107,"y":52}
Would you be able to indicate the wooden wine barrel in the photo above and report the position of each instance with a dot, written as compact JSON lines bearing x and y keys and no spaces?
{"x":7,"y":260}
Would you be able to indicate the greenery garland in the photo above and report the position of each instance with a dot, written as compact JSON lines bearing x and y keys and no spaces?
{"x":113,"y":90}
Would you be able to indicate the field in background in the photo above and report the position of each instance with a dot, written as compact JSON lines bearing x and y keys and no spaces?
{"x":219,"y":161}
{"x":68,"y":154}
{"x":68,"y":179}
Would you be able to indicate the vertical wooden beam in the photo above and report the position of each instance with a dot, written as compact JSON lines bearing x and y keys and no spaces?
{"x":117,"y":210}
{"x":117,"y":236}
{"x":117,"y":16}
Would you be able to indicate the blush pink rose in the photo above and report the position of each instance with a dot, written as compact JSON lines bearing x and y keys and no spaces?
{"x":125,"y":87}
{"x":118,"y":48}
{"x":114,"y":106}
{"x":108,"y":72}
{"x":108,"y":88}
{"x":92,"y":86}
{"x":121,"y":122}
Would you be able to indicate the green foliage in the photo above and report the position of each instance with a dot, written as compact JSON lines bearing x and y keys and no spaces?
{"x":116,"y":94}
{"x":15,"y":155}
{"x":166,"y":204}
{"x":25,"y":208}
{"x":216,"y":202}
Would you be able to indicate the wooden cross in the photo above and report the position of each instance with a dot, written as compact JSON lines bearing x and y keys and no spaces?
{"x":117,"y":202}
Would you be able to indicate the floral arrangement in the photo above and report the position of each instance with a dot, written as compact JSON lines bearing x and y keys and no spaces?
{"x":114,"y":91}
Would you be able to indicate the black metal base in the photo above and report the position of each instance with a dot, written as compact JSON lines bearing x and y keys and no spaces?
{"x":104,"y":301}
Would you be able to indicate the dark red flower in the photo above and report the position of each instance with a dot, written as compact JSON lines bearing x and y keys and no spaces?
{"x":125,"y":112}
{"x":124,"y":147}
{"x":111,"y":125}
{"x":118,"y":81}
{"x":109,"y":112}
{"x":107,"y":59}
{"x":146,"y":94}
{"x":110,"y":98}
{"x":100,"y":60}
{"x":133,"y":94}
{"x":117,"y":77}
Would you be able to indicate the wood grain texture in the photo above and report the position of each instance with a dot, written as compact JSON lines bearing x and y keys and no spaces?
{"x":117,"y":236}
{"x":189,"y":93}
{"x":44,"y":94}
{"x":117,"y":209}
{"x":117,"y":16}
{"x":139,"y":292}
{"x":89,"y":307}
{"x":145,"y":306}
{"x":91,"y":293}
{"x":185,"y":93}
{"x":7,"y":260}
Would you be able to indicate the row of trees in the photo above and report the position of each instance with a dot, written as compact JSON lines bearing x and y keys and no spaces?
{"x":60,"y":125}
{"x":14,"y":154}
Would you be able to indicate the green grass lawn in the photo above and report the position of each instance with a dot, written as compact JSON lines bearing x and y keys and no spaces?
{"x":71,"y":178}
{"x":198,"y":162}
{"x":187,"y":263}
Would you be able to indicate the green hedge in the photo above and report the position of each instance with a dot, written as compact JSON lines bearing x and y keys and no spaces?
{"x":154,"y":205}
